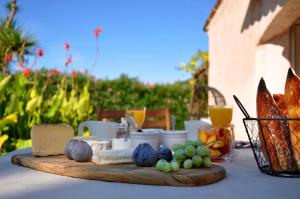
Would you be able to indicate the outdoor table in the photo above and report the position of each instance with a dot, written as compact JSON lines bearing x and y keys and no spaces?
{"x":243,"y":180}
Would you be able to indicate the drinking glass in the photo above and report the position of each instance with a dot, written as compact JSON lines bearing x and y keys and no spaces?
{"x":138,"y":114}
{"x":221,"y":142}
{"x":228,"y":149}
{"x":220,"y":115}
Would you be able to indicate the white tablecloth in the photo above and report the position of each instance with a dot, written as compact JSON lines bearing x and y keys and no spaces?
{"x":243,"y":180}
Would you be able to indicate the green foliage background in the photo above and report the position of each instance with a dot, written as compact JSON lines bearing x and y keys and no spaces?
{"x":118,"y":94}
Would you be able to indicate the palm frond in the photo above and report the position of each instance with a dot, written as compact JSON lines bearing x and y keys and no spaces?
{"x":15,"y":40}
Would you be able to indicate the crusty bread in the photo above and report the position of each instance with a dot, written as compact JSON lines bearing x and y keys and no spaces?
{"x":275,"y":132}
{"x":279,"y":100}
{"x":292,"y":101}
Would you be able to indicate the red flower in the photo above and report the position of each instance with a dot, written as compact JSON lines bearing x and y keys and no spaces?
{"x":151,"y":85}
{"x":98,"y":31}
{"x":9,"y":58}
{"x":73,"y":73}
{"x":26,"y":71}
{"x":40,"y":52}
{"x":69,"y":61}
{"x":49,"y":74}
{"x":67,"y":45}
{"x":20,"y":64}
{"x":55,"y":71}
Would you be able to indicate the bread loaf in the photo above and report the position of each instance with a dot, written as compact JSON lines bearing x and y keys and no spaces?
{"x":275,"y":132}
{"x":292,"y":101}
{"x":280,"y":102}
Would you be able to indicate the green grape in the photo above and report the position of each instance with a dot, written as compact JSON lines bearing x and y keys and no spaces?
{"x":163,"y":166}
{"x":175,"y":147}
{"x":174,"y":166}
{"x":203,"y":151}
{"x":197,"y":143}
{"x":188,"y":142}
{"x":206,"y":162}
{"x":179,"y":162}
{"x":197,"y":161}
{"x":187,"y":164}
{"x":190,"y":151}
{"x":179,"y":155}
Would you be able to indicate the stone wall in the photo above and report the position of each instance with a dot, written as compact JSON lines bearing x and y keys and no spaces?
{"x":238,"y":58}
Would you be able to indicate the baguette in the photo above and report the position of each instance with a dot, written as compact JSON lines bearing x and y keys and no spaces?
{"x":292,"y":101}
{"x":275,"y":132}
{"x":279,"y":100}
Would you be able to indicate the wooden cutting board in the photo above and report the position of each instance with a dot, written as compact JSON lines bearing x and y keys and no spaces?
{"x":125,"y":173}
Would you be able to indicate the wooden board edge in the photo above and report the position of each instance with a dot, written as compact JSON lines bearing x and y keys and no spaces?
{"x":176,"y":179}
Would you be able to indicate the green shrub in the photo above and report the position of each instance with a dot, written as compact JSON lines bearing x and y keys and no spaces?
{"x":60,"y":99}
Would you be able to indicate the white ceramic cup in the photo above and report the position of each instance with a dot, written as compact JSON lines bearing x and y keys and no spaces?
{"x":101,"y":130}
{"x":169,"y":138}
{"x":193,"y":127}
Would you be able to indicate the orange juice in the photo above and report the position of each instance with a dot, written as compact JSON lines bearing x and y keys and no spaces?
{"x":138,"y":114}
{"x":220,"y":115}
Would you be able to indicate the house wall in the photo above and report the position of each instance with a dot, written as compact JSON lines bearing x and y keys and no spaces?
{"x":238,"y":60}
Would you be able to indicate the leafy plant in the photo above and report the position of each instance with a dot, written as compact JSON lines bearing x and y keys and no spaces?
{"x":68,"y":106}
{"x":197,"y":67}
{"x":14,"y":41}
{"x":35,"y":96}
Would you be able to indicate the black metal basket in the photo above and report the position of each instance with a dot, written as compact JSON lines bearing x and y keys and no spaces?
{"x":252,"y":126}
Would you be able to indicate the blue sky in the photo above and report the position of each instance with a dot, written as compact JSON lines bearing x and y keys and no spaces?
{"x":144,"y":39}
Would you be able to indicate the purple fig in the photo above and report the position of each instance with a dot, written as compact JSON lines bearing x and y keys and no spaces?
{"x":81,"y":152}
{"x":68,"y":148}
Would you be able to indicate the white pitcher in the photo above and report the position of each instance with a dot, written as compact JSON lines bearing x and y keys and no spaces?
{"x":101,"y":130}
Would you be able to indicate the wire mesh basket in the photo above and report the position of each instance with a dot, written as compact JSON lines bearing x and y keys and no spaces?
{"x":253,"y":126}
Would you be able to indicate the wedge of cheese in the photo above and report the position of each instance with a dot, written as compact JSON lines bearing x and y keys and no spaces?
{"x":50,"y":139}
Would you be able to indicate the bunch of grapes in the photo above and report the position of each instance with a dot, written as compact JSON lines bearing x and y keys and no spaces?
{"x":192,"y":154}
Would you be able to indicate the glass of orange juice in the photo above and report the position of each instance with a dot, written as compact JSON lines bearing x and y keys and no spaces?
{"x":220,"y":115}
{"x":138,"y":114}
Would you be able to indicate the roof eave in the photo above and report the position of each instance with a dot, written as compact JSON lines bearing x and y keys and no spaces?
{"x":211,"y":15}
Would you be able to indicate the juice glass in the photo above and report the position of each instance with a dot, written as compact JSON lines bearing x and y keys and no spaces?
{"x":138,"y":114}
{"x":220,"y":115}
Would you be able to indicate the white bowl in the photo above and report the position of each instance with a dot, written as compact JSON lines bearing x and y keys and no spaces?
{"x":151,"y":137}
{"x":151,"y":130}
{"x":169,"y":138}
{"x":193,"y":126}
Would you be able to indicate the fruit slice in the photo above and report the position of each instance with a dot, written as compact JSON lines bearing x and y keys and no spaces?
{"x":227,"y":134}
{"x":211,"y":139}
{"x":215,"y":153}
{"x":217,"y":144}
{"x":210,"y":144}
{"x":223,"y":140}
{"x":203,"y":137}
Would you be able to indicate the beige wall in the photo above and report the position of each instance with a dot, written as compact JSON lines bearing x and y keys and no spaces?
{"x":237,"y":58}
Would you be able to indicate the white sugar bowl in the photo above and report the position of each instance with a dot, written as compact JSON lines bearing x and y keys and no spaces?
{"x":151,"y":137}
{"x":169,"y":138}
